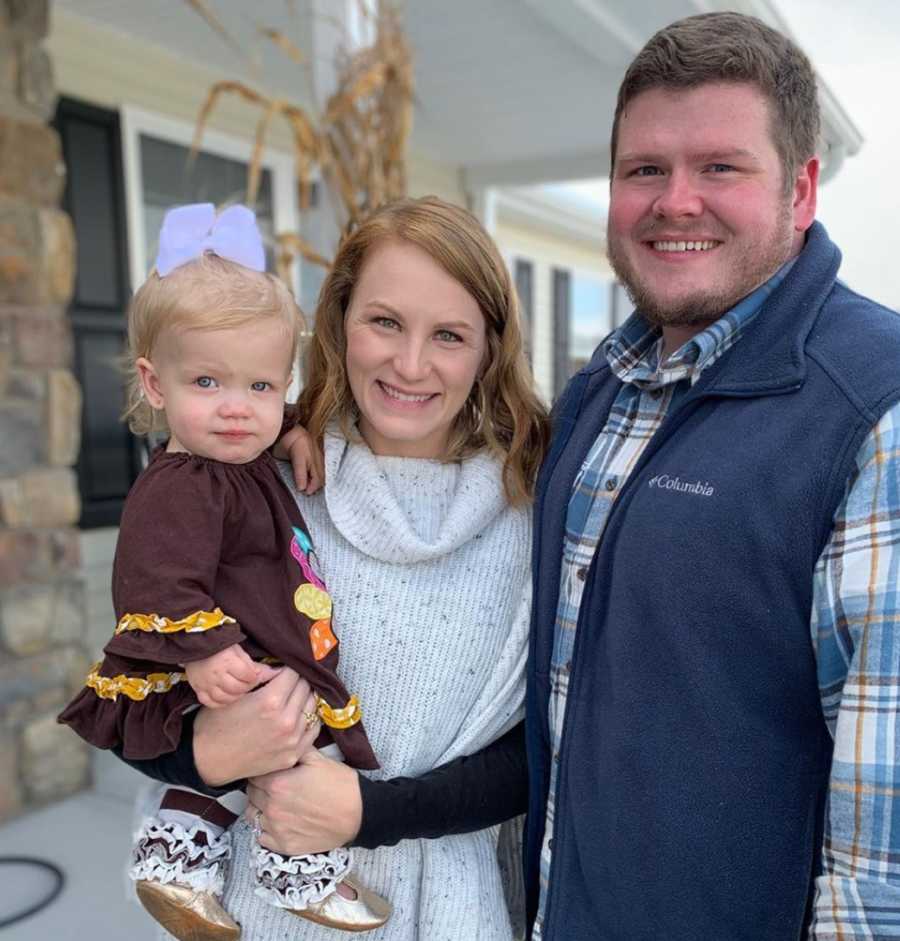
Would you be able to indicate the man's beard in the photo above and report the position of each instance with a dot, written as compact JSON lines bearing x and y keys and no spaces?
{"x":707,"y":304}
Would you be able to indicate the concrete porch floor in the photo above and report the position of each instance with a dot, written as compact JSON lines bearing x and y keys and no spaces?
{"x":88,"y":836}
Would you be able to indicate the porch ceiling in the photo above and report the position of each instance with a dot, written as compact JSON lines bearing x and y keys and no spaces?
{"x":513,"y":91}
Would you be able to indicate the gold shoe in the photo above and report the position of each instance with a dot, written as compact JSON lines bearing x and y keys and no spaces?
{"x":186,"y":913}
{"x":365,"y":912}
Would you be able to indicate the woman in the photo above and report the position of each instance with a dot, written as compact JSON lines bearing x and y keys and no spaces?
{"x":417,"y":382}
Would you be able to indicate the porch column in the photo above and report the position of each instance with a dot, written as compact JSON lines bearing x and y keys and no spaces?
{"x":337,"y":29}
{"x":484,"y":206}
{"x":42,"y":657}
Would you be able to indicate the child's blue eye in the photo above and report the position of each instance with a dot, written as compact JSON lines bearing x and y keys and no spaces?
{"x":205,"y":382}
{"x":260,"y":386}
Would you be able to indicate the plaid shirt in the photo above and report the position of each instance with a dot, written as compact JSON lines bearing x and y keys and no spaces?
{"x":856,"y":599}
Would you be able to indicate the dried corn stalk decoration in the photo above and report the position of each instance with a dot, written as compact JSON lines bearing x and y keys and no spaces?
{"x":358,"y":144}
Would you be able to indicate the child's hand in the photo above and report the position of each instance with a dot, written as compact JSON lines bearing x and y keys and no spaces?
{"x":307,"y":461}
{"x":225,"y":676}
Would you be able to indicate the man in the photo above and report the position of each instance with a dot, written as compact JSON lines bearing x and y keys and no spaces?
{"x":714,"y":679}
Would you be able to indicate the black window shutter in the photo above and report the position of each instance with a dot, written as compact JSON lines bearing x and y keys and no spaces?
{"x":95,"y":199}
{"x":562,"y":301}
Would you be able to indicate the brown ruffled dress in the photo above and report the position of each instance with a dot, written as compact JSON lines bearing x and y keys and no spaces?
{"x":210,"y":555}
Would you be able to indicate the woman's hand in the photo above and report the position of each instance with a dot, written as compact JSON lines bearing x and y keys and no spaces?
{"x":308,"y":809}
{"x":305,"y":455}
{"x":265,"y":730}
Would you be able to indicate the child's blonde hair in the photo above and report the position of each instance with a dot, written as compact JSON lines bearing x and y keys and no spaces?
{"x":207,"y":293}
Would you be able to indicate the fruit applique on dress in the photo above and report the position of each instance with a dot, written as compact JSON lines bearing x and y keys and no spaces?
{"x":312,"y":600}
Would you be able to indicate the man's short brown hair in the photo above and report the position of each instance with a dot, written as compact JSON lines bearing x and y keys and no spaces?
{"x":732,"y":47}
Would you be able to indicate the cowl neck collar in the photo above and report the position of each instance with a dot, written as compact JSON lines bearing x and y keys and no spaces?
{"x":405,"y":510}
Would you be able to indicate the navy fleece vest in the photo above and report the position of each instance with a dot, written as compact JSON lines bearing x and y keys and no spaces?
{"x":694,"y":759}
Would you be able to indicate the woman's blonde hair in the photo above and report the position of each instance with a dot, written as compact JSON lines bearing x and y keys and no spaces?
{"x":502,"y":414}
{"x":208,"y":293}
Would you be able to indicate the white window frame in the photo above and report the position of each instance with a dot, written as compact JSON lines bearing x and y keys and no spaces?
{"x":136,"y":121}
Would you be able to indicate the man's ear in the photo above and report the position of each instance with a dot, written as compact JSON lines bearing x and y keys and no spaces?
{"x":805,"y":192}
{"x":149,"y":382}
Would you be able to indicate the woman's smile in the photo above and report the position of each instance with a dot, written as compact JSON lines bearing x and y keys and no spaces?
{"x":399,"y":398}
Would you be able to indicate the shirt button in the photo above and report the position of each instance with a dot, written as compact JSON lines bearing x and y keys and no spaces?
{"x":550,"y":843}
{"x":655,"y":393}
{"x":582,"y":573}
{"x":610,"y":483}
{"x":556,"y":757}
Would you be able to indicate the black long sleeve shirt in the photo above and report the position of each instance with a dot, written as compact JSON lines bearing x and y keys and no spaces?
{"x":466,"y":794}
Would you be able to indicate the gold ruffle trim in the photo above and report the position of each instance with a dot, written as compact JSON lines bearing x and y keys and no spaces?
{"x":192,"y":624}
{"x":134,"y":687}
{"x":339,"y":718}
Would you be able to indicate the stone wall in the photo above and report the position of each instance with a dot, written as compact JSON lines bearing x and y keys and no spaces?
{"x":42,"y":658}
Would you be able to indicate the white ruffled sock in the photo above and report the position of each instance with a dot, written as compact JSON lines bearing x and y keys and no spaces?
{"x":187,"y":820}
{"x":167,"y":850}
{"x":298,"y":881}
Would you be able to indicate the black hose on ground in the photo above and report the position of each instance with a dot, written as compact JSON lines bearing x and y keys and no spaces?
{"x":59,"y":882}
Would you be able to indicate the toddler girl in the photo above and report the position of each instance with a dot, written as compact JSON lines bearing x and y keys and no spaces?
{"x":214,"y":572}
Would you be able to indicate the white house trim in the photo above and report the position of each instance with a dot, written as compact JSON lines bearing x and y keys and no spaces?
{"x":580,"y":166}
{"x":550,"y":215}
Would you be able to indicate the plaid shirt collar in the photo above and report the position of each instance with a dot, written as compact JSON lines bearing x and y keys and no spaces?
{"x":634,"y":351}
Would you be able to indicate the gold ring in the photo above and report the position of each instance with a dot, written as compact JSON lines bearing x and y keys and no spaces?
{"x":311,"y":718}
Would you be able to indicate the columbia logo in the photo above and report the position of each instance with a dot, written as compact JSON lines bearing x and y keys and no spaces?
{"x":667,"y":482}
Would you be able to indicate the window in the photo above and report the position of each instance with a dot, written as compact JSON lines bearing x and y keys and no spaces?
{"x":591,"y":317}
{"x":620,"y":305}
{"x":582,"y":317}
{"x":523,"y":275}
{"x":169,"y":179}
{"x":159,"y":174}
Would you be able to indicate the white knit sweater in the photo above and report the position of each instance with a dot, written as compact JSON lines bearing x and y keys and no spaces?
{"x":429,"y":571}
